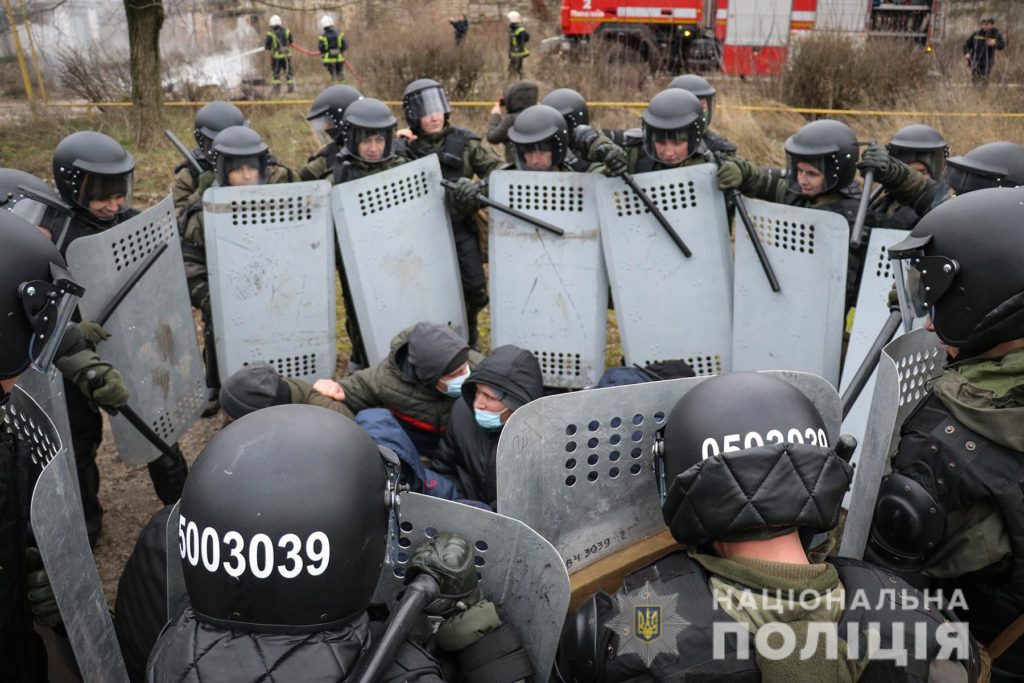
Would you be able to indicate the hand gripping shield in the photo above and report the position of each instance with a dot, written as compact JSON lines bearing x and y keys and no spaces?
{"x":270,"y":256}
{"x":800,"y":327}
{"x":908,"y":365}
{"x":152,"y":332}
{"x":872,"y":311}
{"x":59,"y":530}
{"x":399,"y":253}
{"x":549,"y":293}
{"x":579,"y":468}
{"x":669,"y":306}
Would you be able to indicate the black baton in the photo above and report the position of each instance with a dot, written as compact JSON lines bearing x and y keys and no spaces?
{"x":515,"y":213}
{"x":870,"y":361}
{"x":418,"y":595}
{"x":127,"y":287}
{"x":656,"y":212}
{"x":95,"y":382}
{"x":184,"y":150}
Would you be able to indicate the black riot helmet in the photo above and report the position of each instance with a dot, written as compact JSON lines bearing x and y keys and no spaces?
{"x":921,"y":143}
{"x":571,"y":105}
{"x":828,"y":145}
{"x":284,"y":522}
{"x":699,"y":87}
{"x":90,"y":166}
{"x":240,"y":149}
{"x":37,"y":297}
{"x":673,"y":115}
{"x":961,"y":266}
{"x":746,"y":456}
{"x":539,"y":128}
{"x":212,"y":119}
{"x":370,"y":120}
{"x":424,"y":97}
{"x":327,"y":113}
{"x":997,"y":164}
{"x":29,"y":197}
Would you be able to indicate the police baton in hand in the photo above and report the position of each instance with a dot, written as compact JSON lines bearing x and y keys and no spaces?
{"x":129,"y":284}
{"x":515,"y":213}
{"x":857,"y":234}
{"x":656,"y":212}
{"x":418,"y":594}
{"x":741,"y":209}
{"x":184,"y":150}
{"x":96,"y":381}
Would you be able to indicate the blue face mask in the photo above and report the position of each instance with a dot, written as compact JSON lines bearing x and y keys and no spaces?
{"x":487,"y":419}
{"x":453,"y":387}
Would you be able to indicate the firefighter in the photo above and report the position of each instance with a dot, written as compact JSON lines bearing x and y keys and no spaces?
{"x":332,"y":49}
{"x":518,"y":38}
{"x":279,"y":43}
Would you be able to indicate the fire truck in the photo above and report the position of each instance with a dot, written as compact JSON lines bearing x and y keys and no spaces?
{"x":743,"y":37}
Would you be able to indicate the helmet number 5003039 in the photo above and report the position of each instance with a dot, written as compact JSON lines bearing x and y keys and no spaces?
{"x":257,"y":554}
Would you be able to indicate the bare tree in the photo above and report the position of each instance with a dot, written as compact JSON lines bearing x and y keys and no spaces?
{"x":145,"y":18}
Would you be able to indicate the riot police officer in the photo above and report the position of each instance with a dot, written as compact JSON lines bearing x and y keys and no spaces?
{"x":747,"y":474}
{"x":588,"y":144}
{"x":29,"y":197}
{"x":31,"y":328}
{"x":949,"y":512}
{"x":541,"y":140}
{"x":326,"y":118}
{"x":718,"y":144}
{"x":461,"y":156}
{"x":189,"y":184}
{"x":923,"y":149}
{"x":672,"y":133}
{"x":996,"y":164}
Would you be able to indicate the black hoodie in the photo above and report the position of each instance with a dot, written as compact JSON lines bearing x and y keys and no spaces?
{"x":467,"y":451}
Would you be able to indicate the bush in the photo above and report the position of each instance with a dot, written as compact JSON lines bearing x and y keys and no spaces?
{"x":94,"y":75}
{"x":837,"y":71}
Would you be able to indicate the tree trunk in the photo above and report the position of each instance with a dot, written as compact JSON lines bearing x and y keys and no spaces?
{"x":145,"y":17}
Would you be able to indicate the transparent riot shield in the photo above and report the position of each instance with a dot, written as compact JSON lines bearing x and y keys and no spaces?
{"x":152,"y":333}
{"x":399,"y":253}
{"x":549,"y":293}
{"x":578,"y":468}
{"x":669,"y":306}
{"x":59,"y":530}
{"x":47,"y":390}
{"x":800,"y":327}
{"x":905,"y":371}
{"x":270,"y":255}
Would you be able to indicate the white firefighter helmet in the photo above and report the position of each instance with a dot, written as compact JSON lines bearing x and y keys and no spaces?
{"x":275,"y":20}
{"x":514,"y":17}
{"x":326,"y":21}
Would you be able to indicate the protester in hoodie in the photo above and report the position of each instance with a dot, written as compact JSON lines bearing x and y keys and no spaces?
{"x":505,"y":381}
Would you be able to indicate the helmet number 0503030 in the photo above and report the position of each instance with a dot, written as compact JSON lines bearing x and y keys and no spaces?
{"x":259,"y":555}
{"x":739,"y":442}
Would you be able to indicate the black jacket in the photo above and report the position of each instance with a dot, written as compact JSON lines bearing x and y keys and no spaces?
{"x":467,"y":451}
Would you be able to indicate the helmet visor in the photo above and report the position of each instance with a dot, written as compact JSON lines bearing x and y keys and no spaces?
{"x":934,"y":160}
{"x":106,"y":189}
{"x":372,"y":145}
{"x":537,"y":156}
{"x":49,"y":218}
{"x":236,"y":171}
{"x":815,"y":168}
{"x":324,"y":129}
{"x":49,"y":307}
{"x":963,"y":180}
{"x":427,"y":102}
{"x":925,"y":279}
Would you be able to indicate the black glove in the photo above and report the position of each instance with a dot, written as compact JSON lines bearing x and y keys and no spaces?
{"x":449,"y":559}
{"x":168,"y":476}
{"x":199,"y":294}
{"x":39,"y":591}
{"x":877,"y":159}
{"x":465,"y":194}
{"x":613,"y":157}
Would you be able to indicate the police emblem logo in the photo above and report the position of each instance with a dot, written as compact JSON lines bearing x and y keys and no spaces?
{"x":647,"y":623}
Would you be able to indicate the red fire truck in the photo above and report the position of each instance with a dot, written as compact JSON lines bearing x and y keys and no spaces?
{"x":746,"y":37}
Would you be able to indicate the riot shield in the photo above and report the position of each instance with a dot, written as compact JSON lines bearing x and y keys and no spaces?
{"x":47,"y":390}
{"x":905,"y":371}
{"x":872,"y":311}
{"x":578,"y":468}
{"x":549,"y":293}
{"x":59,"y":530}
{"x":519,"y":571}
{"x":399,"y":253}
{"x":153,"y":339}
{"x":669,"y":306}
{"x":270,"y":255}
{"x":800,"y":327}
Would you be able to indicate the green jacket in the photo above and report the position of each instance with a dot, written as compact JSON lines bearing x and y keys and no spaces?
{"x":303,"y":393}
{"x":384,"y":385}
{"x":348,"y":167}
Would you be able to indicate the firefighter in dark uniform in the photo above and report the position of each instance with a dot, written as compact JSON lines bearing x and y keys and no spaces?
{"x":332,"y":49}
{"x":995,"y":164}
{"x":518,"y":37}
{"x":747,"y":476}
{"x":949,"y":515}
{"x":705,"y":92}
{"x":189,"y":184}
{"x":923,"y":149}
{"x":370,"y":147}
{"x":279,"y":44}
{"x":27,"y":334}
{"x":980,"y":50}
{"x":326,"y":118}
